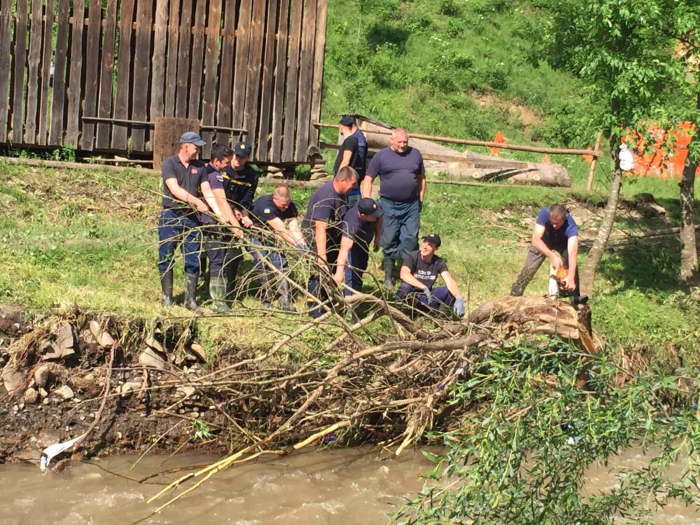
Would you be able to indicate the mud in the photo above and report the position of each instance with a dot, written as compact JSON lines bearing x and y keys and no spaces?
{"x":54,"y":373}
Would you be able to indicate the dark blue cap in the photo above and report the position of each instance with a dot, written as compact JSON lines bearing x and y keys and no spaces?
{"x":433,"y":238}
{"x":243,"y":149}
{"x":192,"y":137}
{"x":347,"y":120}
{"x":368,"y":206}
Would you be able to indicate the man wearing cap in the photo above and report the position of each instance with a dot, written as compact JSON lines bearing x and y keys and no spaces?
{"x":353,"y":153}
{"x":218,"y":239}
{"x":183,"y":178}
{"x":402,"y":190}
{"x":555,"y":231}
{"x":269,"y":215}
{"x":321,"y":226}
{"x":418,"y":275}
{"x":240,"y":182}
{"x":361,"y":224}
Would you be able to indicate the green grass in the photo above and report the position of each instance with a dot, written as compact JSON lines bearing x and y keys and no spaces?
{"x":88,"y":238}
{"x":458,"y":68}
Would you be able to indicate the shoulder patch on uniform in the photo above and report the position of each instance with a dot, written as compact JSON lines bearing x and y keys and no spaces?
{"x":267,"y":210}
{"x":219,"y":178}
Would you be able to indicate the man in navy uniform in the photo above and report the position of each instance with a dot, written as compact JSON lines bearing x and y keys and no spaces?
{"x":353,"y":153}
{"x":555,"y":231}
{"x":361,"y":225}
{"x":402,"y":189}
{"x":321,"y":226}
{"x":183,"y":177}
{"x":419,"y":272}
{"x":218,"y":239}
{"x":270,"y":212}
{"x":240,"y":183}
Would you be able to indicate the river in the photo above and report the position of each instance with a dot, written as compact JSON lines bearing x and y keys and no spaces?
{"x":348,"y":486}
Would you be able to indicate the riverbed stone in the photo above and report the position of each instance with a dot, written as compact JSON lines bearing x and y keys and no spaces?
{"x":12,"y":378}
{"x":31,"y":396}
{"x":129,"y":387}
{"x":153,"y":343}
{"x":198,"y":350}
{"x":41,"y":375}
{"x":149,"y":358}
{"x":65,"y":392}
{"x":43,"y":393}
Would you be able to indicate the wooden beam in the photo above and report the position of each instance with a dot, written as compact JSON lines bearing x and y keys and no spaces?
{"x":469,"y":142}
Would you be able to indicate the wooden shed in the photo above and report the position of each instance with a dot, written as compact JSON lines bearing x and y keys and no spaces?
{"x":95,"y":75}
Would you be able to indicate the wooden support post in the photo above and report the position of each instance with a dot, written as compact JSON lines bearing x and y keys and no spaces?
{"x":596,"y":151}
{"x":167,"y":137}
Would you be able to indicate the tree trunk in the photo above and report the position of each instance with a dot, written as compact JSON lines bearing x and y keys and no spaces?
{"x":689,"y":251}
{"x":601,"y":243}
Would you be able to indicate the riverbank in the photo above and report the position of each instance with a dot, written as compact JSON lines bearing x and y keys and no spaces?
{"x":88,"y":239}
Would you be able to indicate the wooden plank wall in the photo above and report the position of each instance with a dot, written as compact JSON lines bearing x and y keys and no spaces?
{"x":95,"y":75}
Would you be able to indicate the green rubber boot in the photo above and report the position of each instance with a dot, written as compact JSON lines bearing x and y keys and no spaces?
{"x":217,"y":292}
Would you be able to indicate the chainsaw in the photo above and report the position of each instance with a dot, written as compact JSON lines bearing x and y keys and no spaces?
{"x":557,"y":285}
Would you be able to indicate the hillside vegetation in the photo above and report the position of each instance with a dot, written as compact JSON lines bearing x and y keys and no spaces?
{"x":460,"y":68}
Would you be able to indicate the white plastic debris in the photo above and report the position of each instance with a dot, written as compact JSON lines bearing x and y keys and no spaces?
{"x":54,"y":450}
{"x":626,"y":158}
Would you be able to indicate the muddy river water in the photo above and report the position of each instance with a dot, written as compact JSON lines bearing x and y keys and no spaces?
{"x":351,"y":486}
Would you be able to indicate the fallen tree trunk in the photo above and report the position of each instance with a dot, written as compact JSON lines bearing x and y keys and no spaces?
{"x":474,"y":165}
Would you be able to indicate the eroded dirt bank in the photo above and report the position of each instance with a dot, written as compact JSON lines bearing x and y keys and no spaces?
{"x":134,"y":386}
{"x":53,"y":384}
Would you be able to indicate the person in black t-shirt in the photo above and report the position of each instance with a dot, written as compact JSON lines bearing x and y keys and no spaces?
{"x":361,"y":225}
{"x":321,"y":225}
{"x":419,"y":272}
{"x":240,"y":182}
{"x":183,"y":178}
{"x":353,"y":153}
{"x":269,"y":215}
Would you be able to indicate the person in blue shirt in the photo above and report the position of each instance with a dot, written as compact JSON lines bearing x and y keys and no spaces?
{"x":275,"y":217}
{"x":555,"y":233}
{"x":185,"y":185}
{"x":402,"y":186}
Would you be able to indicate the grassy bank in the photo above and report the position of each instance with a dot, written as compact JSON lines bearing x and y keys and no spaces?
{"x":88,"y":238}
{"x":456,"y":68}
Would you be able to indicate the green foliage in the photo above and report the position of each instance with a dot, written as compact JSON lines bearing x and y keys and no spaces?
{"x":64,"y":153}
{"x":627,"y":53}
{"x":452,"y":67}
{"x":521,"y":457}
{"x":200,"y":430}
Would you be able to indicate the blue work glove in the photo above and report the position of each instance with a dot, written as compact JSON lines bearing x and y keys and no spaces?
{"x":428,"y":295}
{"x":458,"y":308}
{"x":302,"y":248}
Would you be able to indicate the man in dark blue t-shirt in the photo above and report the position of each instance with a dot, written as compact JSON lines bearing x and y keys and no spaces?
{"x":555,"y":231}
{"x":402,"y":189}
{"x":361,"y":225}
{"x":184,"y":177}
{"x":321,"y":226}
{"x":353,"y":153}
{"x":269,"y":215}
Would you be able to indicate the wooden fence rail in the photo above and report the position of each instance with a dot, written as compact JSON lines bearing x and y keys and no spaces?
{"x":94,"y":75}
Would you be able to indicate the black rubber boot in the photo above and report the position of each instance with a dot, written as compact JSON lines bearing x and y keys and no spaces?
{"x":285,"y":297}
{"x":191,"y":290}
{"x":166,"y":286}
{"x":217,"y":291}
{"x":388,"y":271}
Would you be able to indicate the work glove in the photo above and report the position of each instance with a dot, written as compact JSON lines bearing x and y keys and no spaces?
{"x":458,"y":308}
{"x":428,"y":295}
{"x":302,"y":248}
